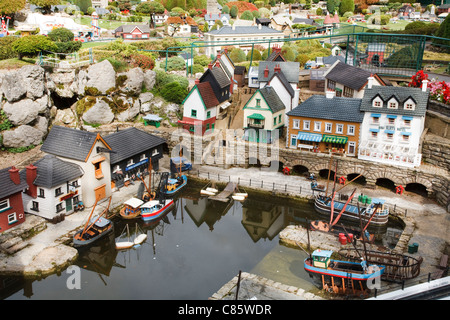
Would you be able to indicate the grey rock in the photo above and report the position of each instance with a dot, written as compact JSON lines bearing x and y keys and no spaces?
{"x":135,"y":79}
{"x":101,"y":76}
{"x":25,"y":110}
{"x":23,"y":136}
{"x":149,"y":79}
{"x":28,"y":80}
{"x":99,"y":113}
{"x":42,"y":124}
{"x":130,"y":113}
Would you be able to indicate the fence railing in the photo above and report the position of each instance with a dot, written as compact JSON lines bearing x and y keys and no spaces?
{"x":286,"y":188}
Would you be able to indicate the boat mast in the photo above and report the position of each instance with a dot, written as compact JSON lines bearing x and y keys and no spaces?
{"x":329,"y":172}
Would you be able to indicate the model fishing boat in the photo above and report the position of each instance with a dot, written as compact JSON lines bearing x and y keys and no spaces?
{"x":377,"y":212}
{"x":208,"y":191}
{"x":131,"y":209}
{"x":239,"y":195}
{"x":155,"y":209}
{"x":94,"y":229}
{"x":398,"y":266}
{"x":341,"y":276}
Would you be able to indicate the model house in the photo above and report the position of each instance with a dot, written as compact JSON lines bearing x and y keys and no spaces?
{"x":88,"y":150}
{"x":263,"y":115}
{"x":160,"y":18}
{"x":325,"y":124}
{"x":134,"y":149}
{"x":11,"y":206}
{"x":219,"y":80}
{"x":181,"y":25}
{"x":132,"y":32}
{"x":224,"y":62}
{"x":349,"y":81}
{"x":200,"y":108}
{"x":276,"y":55}
{"x":53,"y":187}
{"x":393,"y":124}
{"x":243,"y":36}
{"x":211,"y":18}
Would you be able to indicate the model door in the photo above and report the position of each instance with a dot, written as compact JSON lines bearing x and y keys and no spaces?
{"x":68,"y":204}
{"x":351,"y":148}
{"x":100,"y":192}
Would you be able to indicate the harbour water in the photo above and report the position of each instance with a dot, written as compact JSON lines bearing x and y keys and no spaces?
{"x":189,"y":254}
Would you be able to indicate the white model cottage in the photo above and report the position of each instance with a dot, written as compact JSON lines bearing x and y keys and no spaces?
{"x":393,"y":124}
{"x":88,"y":150}
{"x":53,"y":187}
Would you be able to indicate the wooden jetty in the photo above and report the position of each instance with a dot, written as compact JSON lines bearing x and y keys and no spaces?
{"x":224,"y":196}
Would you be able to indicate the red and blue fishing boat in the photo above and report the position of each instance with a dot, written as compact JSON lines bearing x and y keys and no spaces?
{"x":155,"y":209}
{"x":341,"y":276}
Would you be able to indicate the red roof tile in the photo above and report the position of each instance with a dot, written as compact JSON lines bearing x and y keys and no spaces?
{"x":207,"y":94}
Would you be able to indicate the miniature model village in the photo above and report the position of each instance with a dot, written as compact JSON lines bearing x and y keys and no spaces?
{"x":100,"y":146}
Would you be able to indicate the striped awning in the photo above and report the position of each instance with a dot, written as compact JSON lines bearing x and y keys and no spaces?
{"x":306,"y":136}
{"x":334,"y":139}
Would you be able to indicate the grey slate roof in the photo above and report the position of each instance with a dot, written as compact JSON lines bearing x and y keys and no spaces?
{"x":52,"y":171}
{"x":332,"y":59}
{"x":401,"y":94}
{"x":215,"y":16}
{"x":290,"y":70}
{"x":130,"y":142}
{"x":244,"y":30}
{"x":69,"y":143}
{"x":220,"y":76}
{"x":272,"y":99}
{"x":336,"y":108}
{"x":7,"y":186}
{"x":349,"y":76}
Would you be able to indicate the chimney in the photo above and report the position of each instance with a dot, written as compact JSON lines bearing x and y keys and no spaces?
{"x":225,"y":50}
{"x":424,"y":85}
{"x":266,"y":72}
{"x":370,"y":81}
{"x":217,"y":63}
{"x":219,"y":55}
{"x":233,"y":27}
{"x":197,"y":81}
{"x":277,"y":68}
{"x":210,"y":15}
{"x":210,"y":65}
{"x":219,"y":14}
{"x":260,"y":26}
{"x":330,"y":94}
{"x":14,"y":175}
{"x":31,"y":171}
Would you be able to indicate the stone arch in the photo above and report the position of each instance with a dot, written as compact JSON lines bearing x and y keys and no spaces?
{"x":418,"y":180}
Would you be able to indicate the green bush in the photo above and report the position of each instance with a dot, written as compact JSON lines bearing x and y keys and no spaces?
{"x":176,"y":63}
{"x":30,"y":46}
{"x":256,"y":55}
{"x":196,"y":68}
{"x":6,"y":50}
{"x":246,"y":15}
{"x":174,"y":92}
{"x":237,"y":55}
{"x":163,"y":79}
{"x":202,"y":59}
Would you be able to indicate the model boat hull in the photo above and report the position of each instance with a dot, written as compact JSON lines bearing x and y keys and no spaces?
{"x":323,"y":206}
{"x":150,"y":215}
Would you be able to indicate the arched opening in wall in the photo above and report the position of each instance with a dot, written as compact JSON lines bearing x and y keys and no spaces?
{"x":254,"y":163}
{"x":299,"y":170}
{"x":324,"y":174}
{"x":385,"y":183}
{"x":360,"y":180}
{"x":417,"y":188}
{"x":276,"y":165}
{"x":61,"y":102}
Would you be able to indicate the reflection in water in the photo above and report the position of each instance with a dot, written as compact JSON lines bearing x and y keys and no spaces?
{"x":189,"y":253}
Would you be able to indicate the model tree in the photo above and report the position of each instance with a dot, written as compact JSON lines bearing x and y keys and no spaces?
{"x":30,"y":46}
{"x":63,"y":39}
{"x":346,"y":6}
{"x":8,"y":6}
{"x":46,"y":5}
{"x":150,"y":8}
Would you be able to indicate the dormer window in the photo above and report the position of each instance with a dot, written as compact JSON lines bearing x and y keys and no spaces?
{"x":377,"y":102}
{"x":392,"y":104}
{"x":409,"y":104}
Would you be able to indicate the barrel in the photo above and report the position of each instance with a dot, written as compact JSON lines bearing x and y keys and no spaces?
{"x":411,"y":248}
{"x":350,"y":238}
{"x":368,"y":200}
{"x":342,"y":238}
{"x":416,"y":246}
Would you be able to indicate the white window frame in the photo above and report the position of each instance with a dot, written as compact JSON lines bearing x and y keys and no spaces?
{"x":392,"y":104}
{"x":351,"y":144}
{"x":293,"y":136}
{"x":351,"y":130}
{"x":377,"y":101}
{"x":339,"y":128}
{"x":306,"y":125}
{"x":317,"y":126}
{"x":4,"y":205}
{"x":328,"y":127}
{"x":12,"y":217}
{"x":296,"y":124}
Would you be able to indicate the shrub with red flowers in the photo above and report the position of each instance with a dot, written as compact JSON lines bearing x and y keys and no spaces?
{"x":142,"y":61}
{"x":416,"y":80}
{"x":439,"y":90}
